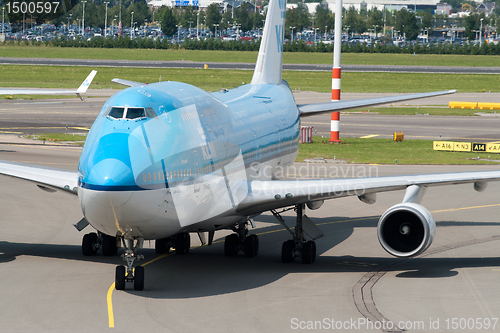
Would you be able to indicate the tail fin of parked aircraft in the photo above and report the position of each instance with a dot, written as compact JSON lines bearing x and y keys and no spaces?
{"x":270,"y":60}
{"x":85,"y":84}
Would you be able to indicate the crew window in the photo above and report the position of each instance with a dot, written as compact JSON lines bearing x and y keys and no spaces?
{"x":116,"y":112}
{"x":151,"y":112}
{"x":133,"y":113}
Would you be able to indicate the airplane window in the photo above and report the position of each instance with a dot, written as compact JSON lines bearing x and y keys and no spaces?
{"x":153,"y":114}
{"x":133,"y":113}
{"x":144,"y":177}
{"x":154,"y":176}
{"x":149,"y":176}
{"x":116,"y":112}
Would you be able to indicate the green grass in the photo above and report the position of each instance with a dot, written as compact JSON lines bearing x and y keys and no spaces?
{"x":386,"y":151}
{"x":353,"y":150}
{"x":76,"y":139}
{"x":70,"y":77}
{"x":249,"y":56}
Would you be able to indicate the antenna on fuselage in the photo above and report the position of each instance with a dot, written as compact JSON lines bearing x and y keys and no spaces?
{"x":160,"y":78}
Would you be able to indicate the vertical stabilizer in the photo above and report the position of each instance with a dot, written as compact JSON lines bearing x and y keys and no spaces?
{"x":270,"y":59}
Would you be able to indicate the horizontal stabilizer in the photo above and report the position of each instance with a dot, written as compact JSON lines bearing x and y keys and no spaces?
{"x":127,"y":83}
{"x":314,"y":109}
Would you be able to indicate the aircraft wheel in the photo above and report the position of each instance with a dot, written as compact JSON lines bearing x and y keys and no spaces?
{"x":231,"y":245}
{"x":120,"y":278}
{"x":109,"y":247}
{"x":88,"y":244}
{"x":308,"y":252}
{"x":182,"y":243}
{"x":251,"y":246}
{"x":139,"y":278}
{"x":287,"y":251}
{"x":162,"y":245}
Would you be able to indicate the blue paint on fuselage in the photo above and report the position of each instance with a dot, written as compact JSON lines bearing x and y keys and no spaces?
{"x":194,"y":132}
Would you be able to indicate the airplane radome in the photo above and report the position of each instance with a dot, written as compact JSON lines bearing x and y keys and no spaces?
{"x":165,"y":160}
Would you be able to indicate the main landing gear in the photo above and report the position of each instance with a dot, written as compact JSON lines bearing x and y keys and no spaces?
{"x":239,"y":241}
{"x":297,"y":247}
{"x":93,"y":242}
{"x":128,"y":273}
{"x":181,"y":243}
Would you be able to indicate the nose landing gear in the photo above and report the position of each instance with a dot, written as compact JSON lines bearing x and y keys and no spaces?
{"x":128,"y":273}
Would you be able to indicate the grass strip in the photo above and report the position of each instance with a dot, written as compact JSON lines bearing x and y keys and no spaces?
{"x":77,"y":139}
{"x":70,"y":77}
{"x":352,"y":150}
{"x":386,"y":151}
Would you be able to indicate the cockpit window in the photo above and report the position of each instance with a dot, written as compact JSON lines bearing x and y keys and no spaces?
{"x":133,"y":113}
{"x":130,"y":113}
{"x":116,"y":112}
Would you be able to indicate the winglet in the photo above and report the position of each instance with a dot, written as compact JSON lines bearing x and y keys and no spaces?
{"x":85,"y":85}
{"x":270,"y":60}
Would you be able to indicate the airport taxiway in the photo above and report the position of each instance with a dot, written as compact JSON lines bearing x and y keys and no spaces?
{"x":75,"y":116}
{"x":244,"y":66}
{"x":48,"y":285}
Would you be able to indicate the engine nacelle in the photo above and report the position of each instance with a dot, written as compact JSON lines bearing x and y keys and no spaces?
{"x":406,"y":230}
{"x":313,"y":205}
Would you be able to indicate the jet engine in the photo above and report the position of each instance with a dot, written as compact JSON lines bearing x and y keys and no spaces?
{"x":406,"y":229}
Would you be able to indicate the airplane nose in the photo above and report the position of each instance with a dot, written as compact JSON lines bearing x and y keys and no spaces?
{"x":111,"y":174}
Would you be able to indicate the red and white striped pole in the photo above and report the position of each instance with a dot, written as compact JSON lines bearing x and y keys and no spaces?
{"x":335,"y":84}
{"x":335,"y":127}
{"x":337,"y":48}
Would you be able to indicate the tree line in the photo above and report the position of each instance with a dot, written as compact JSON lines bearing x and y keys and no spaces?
{"x":124,"y":42}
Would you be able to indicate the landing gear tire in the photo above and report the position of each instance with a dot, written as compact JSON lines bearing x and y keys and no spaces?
{"x":162,"y":245}
{"x":231,"y":245}
{"x":182,"y":243}
{"x":108,"y":246}
{"x":139,"y":278}
{"x":287,"y":251}
{"x":251,"y":246}
{"x":120,"y":278}
{"x":308,"y":252}
{"x":89,"y":244}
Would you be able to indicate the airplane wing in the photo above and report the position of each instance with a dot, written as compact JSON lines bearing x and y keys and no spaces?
{"x":81,"y":90}
{"x":127,"y":83}
{"x":274,"y":194}
{"x":47,"y":179}
{"x":318,"y":108}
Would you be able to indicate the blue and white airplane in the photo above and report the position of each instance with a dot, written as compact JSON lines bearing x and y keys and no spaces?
{"x":168,"y":159}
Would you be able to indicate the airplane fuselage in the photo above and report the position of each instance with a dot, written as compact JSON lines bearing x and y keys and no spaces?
{"x":169,"y":157}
